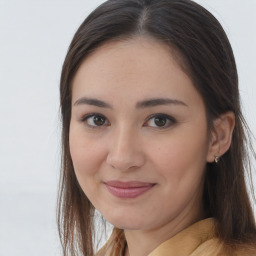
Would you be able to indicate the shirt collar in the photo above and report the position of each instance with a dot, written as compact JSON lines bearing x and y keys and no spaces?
{"x":186,"y":241}
{"x":183,"y":244}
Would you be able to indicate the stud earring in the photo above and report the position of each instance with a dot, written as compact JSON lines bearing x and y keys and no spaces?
{"x":216,"y":159}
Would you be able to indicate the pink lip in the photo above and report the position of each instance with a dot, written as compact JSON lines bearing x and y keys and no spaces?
{"x":130,"y":189}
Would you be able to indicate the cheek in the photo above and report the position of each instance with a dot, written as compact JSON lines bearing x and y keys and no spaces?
{"x":86,"y":154}
{"x":181,"y":158}
{"x":181,"y":167}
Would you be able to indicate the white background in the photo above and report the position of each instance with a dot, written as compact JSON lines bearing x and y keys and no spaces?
{"x":34,"y":37}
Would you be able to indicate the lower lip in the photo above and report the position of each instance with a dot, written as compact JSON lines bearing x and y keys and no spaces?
{"x":130,"y":192}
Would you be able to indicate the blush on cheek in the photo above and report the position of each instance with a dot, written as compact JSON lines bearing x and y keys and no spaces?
{"x":87,"y":160}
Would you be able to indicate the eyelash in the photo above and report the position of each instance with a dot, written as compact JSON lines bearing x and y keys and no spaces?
{"x":168,"y":120}
{"x":86,"y":117}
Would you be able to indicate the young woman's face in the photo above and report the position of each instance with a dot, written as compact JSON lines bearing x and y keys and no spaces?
{"x":138,"y":135}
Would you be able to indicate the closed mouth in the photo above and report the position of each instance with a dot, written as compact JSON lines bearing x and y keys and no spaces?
{"x":128,"y":190}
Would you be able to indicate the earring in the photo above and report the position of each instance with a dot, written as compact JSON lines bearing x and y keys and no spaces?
{"x":216,"y":159}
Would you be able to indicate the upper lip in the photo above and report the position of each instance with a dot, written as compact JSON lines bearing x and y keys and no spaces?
{"x":128,"y":184}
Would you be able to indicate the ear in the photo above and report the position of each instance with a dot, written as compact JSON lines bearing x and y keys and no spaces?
{"x":221,"y":135}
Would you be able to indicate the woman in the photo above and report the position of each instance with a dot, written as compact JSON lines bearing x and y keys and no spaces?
{"x":153,"y":135}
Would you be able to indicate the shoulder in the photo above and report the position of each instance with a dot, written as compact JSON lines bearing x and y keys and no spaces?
{"x":115,"y":244}
{"x":214,"y":247}
{"x":245,"y":250}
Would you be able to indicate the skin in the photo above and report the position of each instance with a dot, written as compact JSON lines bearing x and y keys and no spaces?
{"x":129,"y":144}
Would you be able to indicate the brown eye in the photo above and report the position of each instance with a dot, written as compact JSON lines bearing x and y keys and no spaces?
{"x":99,"y":120}
{"x":160,"y":121}
{"x":95,"y":120}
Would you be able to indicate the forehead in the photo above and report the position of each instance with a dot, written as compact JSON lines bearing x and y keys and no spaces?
{"x":138,"y":67}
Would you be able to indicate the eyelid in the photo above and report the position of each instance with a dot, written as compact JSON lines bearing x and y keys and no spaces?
{"x":169,"y":118}
{"x":87,"y":116}
{"x":162,"y":115}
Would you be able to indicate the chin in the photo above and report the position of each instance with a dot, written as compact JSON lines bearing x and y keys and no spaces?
{"x":125,"y":222}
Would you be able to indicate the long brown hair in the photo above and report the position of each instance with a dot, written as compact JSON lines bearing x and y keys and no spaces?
{"x":207,"y":57}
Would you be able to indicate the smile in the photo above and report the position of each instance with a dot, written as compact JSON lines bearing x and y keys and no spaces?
{"x":128,"y":190}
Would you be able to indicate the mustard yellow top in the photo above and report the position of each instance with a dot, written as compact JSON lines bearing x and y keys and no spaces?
{"x":198,"y":239}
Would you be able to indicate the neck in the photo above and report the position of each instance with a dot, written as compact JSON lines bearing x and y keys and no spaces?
{"x":143,"y":242}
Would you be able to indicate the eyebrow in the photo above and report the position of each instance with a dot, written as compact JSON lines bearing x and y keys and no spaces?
{"x":93,"y":102}
{"x":158,"y":102}
{"x":139,"y":105}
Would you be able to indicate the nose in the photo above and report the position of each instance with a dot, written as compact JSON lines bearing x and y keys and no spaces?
{"x":125,"y":151}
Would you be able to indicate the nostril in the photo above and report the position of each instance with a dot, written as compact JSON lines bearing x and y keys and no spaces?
{"x":119,"y":162}
{"x":125,"y":151}
{"x":125,"y":161}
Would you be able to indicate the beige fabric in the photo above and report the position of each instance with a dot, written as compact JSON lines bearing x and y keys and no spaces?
{"x":187,"y":242}
{"x":197,"y":240}
{"x":115,"y":245}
